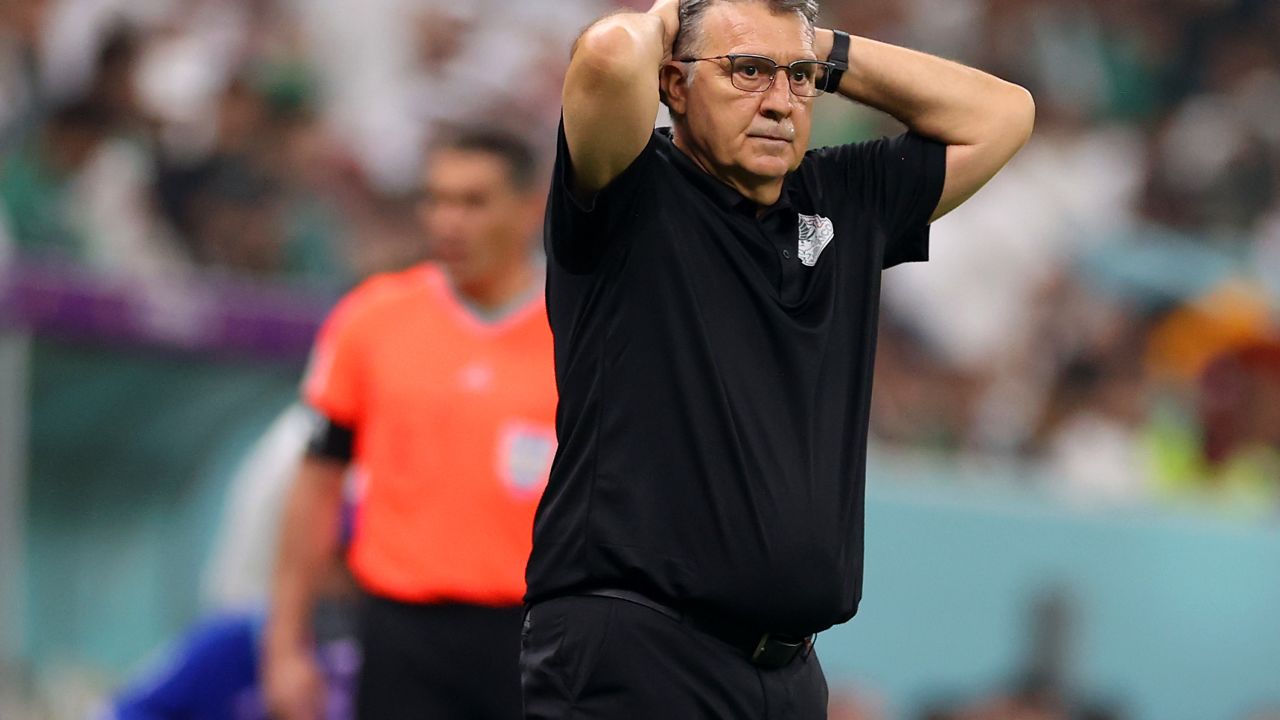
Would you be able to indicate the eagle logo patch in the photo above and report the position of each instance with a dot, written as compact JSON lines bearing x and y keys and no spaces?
{"x":815,"y":232}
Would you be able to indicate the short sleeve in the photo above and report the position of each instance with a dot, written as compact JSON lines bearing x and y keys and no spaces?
{"x":898,"y":179}
{"x":333,"y":382}
{"x":578,"y":229}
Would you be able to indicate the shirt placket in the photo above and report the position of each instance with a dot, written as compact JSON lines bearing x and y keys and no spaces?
{"x":780,"y":234}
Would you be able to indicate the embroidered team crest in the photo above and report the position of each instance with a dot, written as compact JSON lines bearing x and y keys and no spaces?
{"x":815,"y":232}
{"x":525,"y":452}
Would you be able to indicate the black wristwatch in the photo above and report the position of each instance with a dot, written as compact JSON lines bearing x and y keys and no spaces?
{"x":840,"y":58}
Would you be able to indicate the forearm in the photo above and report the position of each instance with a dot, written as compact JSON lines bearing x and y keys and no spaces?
{"x":982,"y":119}
{"x":308,"y":545}
{"x":944,"y":100}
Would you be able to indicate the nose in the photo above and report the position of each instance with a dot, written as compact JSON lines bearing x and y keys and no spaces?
{"x":445,"y":218}
{"x":777,"y":101}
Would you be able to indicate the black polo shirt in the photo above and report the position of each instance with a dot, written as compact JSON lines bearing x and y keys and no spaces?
{"x":714,"y":369}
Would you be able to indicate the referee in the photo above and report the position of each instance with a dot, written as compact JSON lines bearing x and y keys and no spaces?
{"x":713,"y":292}
{"x":435,"y":390}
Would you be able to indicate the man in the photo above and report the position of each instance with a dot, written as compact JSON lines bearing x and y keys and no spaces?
{"x":713,"y":293}
{"x":435,"y":385}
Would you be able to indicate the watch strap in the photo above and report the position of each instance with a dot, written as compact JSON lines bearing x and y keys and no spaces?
{"x":839,"y":57}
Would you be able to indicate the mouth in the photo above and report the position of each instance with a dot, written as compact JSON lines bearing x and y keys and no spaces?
{"x":448,"y":252}
{"x":774,"y":134}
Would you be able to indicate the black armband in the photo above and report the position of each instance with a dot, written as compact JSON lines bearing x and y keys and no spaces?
{"x":840,"y":58}
{"x":331,"y":441}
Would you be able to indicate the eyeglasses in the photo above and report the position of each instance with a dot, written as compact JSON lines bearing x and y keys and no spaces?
{"x":756,"y":73}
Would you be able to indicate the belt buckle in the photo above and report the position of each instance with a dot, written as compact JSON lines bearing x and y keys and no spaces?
{"x":760,"y":646}
{"x":773,"y":654}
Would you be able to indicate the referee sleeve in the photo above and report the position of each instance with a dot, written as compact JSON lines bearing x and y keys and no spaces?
{"x":331,"y":440}
{"x":334,"y":380}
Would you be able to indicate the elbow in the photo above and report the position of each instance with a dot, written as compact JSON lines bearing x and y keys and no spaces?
{"x":1021,"y":114}
{"x":611,"y":52}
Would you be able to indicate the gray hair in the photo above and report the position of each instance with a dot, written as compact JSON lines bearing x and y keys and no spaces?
{"x":689,"y":39}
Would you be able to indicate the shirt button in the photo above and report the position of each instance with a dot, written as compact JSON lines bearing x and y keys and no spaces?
{"x":786,"y":254}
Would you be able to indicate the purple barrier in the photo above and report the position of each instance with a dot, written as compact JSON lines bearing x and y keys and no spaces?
{"x":190,"y":312}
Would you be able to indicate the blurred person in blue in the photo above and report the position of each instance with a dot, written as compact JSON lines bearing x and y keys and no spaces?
{"x":212,"y":671}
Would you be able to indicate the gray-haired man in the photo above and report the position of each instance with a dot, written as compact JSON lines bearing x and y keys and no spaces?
{"x":713,"y":291}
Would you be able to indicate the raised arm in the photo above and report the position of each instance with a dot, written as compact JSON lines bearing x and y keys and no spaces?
{"x":982,"y":119}
{"x":611,"y":91}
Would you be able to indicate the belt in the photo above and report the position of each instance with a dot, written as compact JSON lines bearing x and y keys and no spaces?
{"x":766,"y":650}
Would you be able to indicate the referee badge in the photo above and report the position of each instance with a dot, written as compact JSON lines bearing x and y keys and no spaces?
{"x":525,"y":452}
{"x":815,"y":232}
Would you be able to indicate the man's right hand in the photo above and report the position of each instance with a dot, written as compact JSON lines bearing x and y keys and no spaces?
{"x":293,"y":687}
{"x":669,"y":12}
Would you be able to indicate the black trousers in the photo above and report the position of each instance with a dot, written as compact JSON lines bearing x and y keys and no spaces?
{"x":595,"y":657}
{"x":429,"y":662}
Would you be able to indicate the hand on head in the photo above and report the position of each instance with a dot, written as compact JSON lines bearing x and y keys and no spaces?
{"x":669,"y":12}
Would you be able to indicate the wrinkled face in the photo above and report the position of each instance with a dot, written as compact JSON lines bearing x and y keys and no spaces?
{"x":477,"y":220}
{"x":743,"y":137}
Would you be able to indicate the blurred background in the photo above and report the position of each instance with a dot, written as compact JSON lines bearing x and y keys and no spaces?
{"x":1074,"y":491}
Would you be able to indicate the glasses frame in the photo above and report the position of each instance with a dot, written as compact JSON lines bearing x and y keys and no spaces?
{"x":819,"y":87}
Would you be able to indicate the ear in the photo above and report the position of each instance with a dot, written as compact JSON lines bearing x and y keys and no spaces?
{"x":672,"y":88}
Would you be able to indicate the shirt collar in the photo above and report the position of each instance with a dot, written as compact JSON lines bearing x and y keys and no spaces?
{"x":723,"y":195}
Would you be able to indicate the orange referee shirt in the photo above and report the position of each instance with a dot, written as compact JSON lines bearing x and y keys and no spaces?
{"x":454,"y":423}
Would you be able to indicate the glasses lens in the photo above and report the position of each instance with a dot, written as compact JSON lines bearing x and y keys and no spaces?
{"x":752,"y":74}
{"x":807,"y":78}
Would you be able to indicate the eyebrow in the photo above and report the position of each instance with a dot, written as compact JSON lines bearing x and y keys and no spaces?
{"x":801,"y":55}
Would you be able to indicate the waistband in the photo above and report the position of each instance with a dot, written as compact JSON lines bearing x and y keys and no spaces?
{"x":762,"y":648}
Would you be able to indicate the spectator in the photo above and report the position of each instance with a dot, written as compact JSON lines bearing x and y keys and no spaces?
{"x":36,"y":182}
{"x":279,"y":139}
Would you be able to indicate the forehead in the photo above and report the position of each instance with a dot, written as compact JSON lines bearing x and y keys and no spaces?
{"x":450,"y":166}
{"x":751,"y":27}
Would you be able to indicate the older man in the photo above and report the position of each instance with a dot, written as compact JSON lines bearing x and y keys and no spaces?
{"x":713,"y":292}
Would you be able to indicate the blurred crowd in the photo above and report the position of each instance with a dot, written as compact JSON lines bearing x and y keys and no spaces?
{"x":1104,"y":312}
{"x":273,"y":138}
